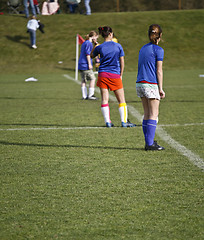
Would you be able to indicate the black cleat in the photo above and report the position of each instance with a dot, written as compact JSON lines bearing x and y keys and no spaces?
{"x":154,"y":147}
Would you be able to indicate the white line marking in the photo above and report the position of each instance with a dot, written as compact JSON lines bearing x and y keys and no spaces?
{"x":96,"y":127}
{"x":194,"y":158}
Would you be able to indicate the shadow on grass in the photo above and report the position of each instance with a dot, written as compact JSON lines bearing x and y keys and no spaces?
{"x":18,"y":98}
{"x":66,"y":146}
{"x":18,"y":39}
{"x":53,"y":125}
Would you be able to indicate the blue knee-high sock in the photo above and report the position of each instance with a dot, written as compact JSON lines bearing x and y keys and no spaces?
{"x":151,"y":129}
{"x":144,"y":127}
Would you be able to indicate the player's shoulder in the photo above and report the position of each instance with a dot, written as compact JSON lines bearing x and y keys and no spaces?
{"x":118,"y":45}
{"x":87,"y":42}
{"x":147,"y":45}
{"x":157,"y":47}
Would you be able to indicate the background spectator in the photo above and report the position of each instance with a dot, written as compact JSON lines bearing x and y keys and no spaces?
{"x":73,"y":5}
{"x":32,"y":26}
{"x":50,"y":7}
{"x":27,"y":4}
{"x":88,"y":8}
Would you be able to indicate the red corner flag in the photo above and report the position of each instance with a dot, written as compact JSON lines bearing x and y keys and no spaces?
{"x":80,"y":39}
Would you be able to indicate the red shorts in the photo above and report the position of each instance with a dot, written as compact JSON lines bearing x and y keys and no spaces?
{"x":110,"y":83}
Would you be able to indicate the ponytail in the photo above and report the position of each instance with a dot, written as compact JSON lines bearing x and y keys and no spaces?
{"x":105,"y":31}
{"x":154,"y":32}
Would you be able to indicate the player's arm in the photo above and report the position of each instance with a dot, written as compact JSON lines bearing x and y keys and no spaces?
{"x":160,"y":79}
{"x":95,"y":45}
{"x":122,"y":65}
{"x":88,"y":57}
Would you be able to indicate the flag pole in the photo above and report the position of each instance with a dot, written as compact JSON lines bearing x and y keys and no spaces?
{"x":77,"y":58}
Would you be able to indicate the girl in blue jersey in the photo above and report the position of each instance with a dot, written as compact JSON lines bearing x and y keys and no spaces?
{"x":110,"y":75}
{"x":85,"y":66}
{"x":149,"y":85}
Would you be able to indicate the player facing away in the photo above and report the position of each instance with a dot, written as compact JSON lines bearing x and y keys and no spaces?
{"x":149,"y":84}
{"x":85,"y":66}
{"x":110,"y":75}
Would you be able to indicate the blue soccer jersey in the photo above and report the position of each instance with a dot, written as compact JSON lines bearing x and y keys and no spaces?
{"x":147,"y":64}
{"x":110,"y":53}
{"x":86,"y":49}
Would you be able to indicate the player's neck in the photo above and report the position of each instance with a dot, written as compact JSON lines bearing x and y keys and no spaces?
{"x":108,"y":39}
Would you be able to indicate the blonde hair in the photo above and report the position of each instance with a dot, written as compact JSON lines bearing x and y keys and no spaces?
{"x":154,"y":32}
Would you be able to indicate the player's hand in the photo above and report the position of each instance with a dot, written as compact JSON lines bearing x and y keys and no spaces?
{"x":90,"y":67}
{"x":162,"y":94}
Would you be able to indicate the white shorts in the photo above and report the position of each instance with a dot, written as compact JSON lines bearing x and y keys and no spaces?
{"x":87,"y":75}
{"x":147,"y":90}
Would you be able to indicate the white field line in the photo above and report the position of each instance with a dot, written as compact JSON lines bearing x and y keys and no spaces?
{"x":86,"y":127}
{"x":194,"y":158}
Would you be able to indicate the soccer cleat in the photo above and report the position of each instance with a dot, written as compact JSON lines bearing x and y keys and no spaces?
{"x":128,"y":124}
{"x":92,"y":98}
{"x":34,"y":46}
{"x":109,"y":125}
{"x":84,"y":98}
{"x":154,"y":147}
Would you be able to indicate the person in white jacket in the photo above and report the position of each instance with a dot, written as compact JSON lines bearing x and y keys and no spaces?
{"x":32,"y":26}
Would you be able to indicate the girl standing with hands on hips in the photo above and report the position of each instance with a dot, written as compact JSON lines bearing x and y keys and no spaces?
{"x":110,"y":75}
{"x":149,"y":85}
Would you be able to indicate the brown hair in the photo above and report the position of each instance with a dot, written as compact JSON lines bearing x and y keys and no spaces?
{"x":92,"y":33}
{"x":105,"y":31}
{"x":154,"y":32}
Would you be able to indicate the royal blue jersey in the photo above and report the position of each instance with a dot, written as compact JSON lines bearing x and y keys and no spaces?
{"x":110,"y":53}
{"x":147,"y":64}
{"x":86,"y":49}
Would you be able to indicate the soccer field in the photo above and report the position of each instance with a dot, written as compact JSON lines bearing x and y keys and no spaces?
{"x":65,"y":176}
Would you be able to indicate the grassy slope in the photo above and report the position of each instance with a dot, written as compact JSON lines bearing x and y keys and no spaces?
{"x":183,"y":39}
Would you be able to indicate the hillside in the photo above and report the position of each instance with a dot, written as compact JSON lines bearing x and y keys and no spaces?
{"x":182,"y":34}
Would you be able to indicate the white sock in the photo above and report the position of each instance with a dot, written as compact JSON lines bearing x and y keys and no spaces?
{"x":84,"y":92}
{"x":123,"y":112}
{"x":91,"y":92}
{"x":106,"y":112}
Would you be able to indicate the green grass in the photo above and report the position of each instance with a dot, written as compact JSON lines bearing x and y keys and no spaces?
{"x":182,"y":33}
{"x":94,"y":184}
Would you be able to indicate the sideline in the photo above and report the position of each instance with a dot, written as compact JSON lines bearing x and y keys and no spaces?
{"x":193,"y":158}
